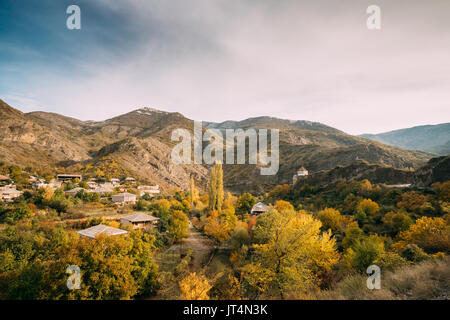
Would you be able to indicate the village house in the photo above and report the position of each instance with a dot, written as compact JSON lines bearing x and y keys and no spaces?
{"x":40,"y":183}
{"x":302,"y":172}
{"x":101,"y":229}
{"x":124,"y":198}
{"x":4,"y":180}
{"x":101,"y":190}
{"x":9,"y":193}
{"x":115,"y":182}
{"x":140,"y":220}
{"x":259,"y":208}
{"x":92,"y":184}
{"x":73,"y":192}
{"x":130,"y":180}
{"x":151,"y":190}
{"x":69,"y":177}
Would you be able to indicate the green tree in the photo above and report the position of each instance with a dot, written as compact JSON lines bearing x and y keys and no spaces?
{"x":245,"y":203}
{"x":364,"y":252}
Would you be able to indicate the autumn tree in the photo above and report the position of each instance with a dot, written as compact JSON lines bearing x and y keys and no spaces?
{"x":217,"y":227}
{"x":194,"y":193}
{"x":442,"y":190}
{"x":352,"y":235}
{"x":431,"y":234}
{"x":397,"y":221}
{"x":290,"y":253}
{"x":412,"y":201}
{"x":366,"y":209}
{"x":178,"y":226}
{"x":282,"y":205}
{"x":195,"y":287}
{"x":215,"y":187}
{"x":332,"y":219}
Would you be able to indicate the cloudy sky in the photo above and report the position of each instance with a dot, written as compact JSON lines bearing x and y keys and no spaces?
{"x":218,"y":60}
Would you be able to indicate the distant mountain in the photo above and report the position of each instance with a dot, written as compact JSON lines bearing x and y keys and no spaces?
{"x":138,"y":143}
{"x":431,"y":138}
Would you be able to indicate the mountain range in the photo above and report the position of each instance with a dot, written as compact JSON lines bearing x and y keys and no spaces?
{"x":138,"y":143}
{"x":431,"y":138}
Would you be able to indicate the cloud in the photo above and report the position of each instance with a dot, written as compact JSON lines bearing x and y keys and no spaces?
{"x":219,"y":60}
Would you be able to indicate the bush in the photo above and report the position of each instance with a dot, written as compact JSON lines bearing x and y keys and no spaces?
{"x":414,"y":253}
{"x":364,"y":252}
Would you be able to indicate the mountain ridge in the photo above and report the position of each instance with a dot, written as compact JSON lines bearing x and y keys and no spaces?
{"x":139,"y":143}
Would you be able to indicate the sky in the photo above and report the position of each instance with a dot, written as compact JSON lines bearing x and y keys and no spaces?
{"x":218,"y":60}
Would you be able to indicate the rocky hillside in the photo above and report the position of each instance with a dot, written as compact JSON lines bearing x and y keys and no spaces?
{"x":436,"y":170}
{"x":139,"y":143}
{"x":359,"y":170}
{"x":432,"y":138}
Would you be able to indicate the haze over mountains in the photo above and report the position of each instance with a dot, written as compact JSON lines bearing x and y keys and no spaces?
{"x":139,"y":144}
{"x":431,"y":138}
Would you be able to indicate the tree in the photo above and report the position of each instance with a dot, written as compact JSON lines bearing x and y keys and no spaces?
{"x":162,"y":208}
{"x":178,"y":226}
{"x":21,"y":211}
{"x":332,"y":219}
{"x":217,"y":227}
{"x":364,"y":252}
{"x":442,"y":190}
{"x":397,"y":221}
{"x":220,"y":192}
{"x":282,"y":205}
{"x":431,"y":234}
{"x":364,"y":187}
{"x":195,"y":287}
{"x":245,"y":203}
{"x":412,"y":201}
{"x":290,"y":253}
{"x":215,"y":187}
{"x":111,"y":267}
{"x":352,"y":235}
{"x":194,"y":193}
{"x":367,"y":208}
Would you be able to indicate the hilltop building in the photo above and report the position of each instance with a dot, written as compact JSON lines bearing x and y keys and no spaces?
{"x":302,"y":172}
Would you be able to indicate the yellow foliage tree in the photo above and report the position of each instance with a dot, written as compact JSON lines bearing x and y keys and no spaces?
{"x":332,"y":219}
{"x":195,"y":287}
{"x":431,"y":234}
{"x":291,"y":253}
{"x":217,"y":228}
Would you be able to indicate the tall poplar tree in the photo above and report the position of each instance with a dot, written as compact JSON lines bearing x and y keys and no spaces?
{"x":216,"y":194}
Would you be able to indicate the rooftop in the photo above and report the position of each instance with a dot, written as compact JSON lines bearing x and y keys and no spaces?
{"x":140,"y":217}
{"x":260,"y":207}
{"x":97,"y":230}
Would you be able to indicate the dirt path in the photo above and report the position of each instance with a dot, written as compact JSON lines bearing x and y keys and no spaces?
{"x":200,"y":245}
